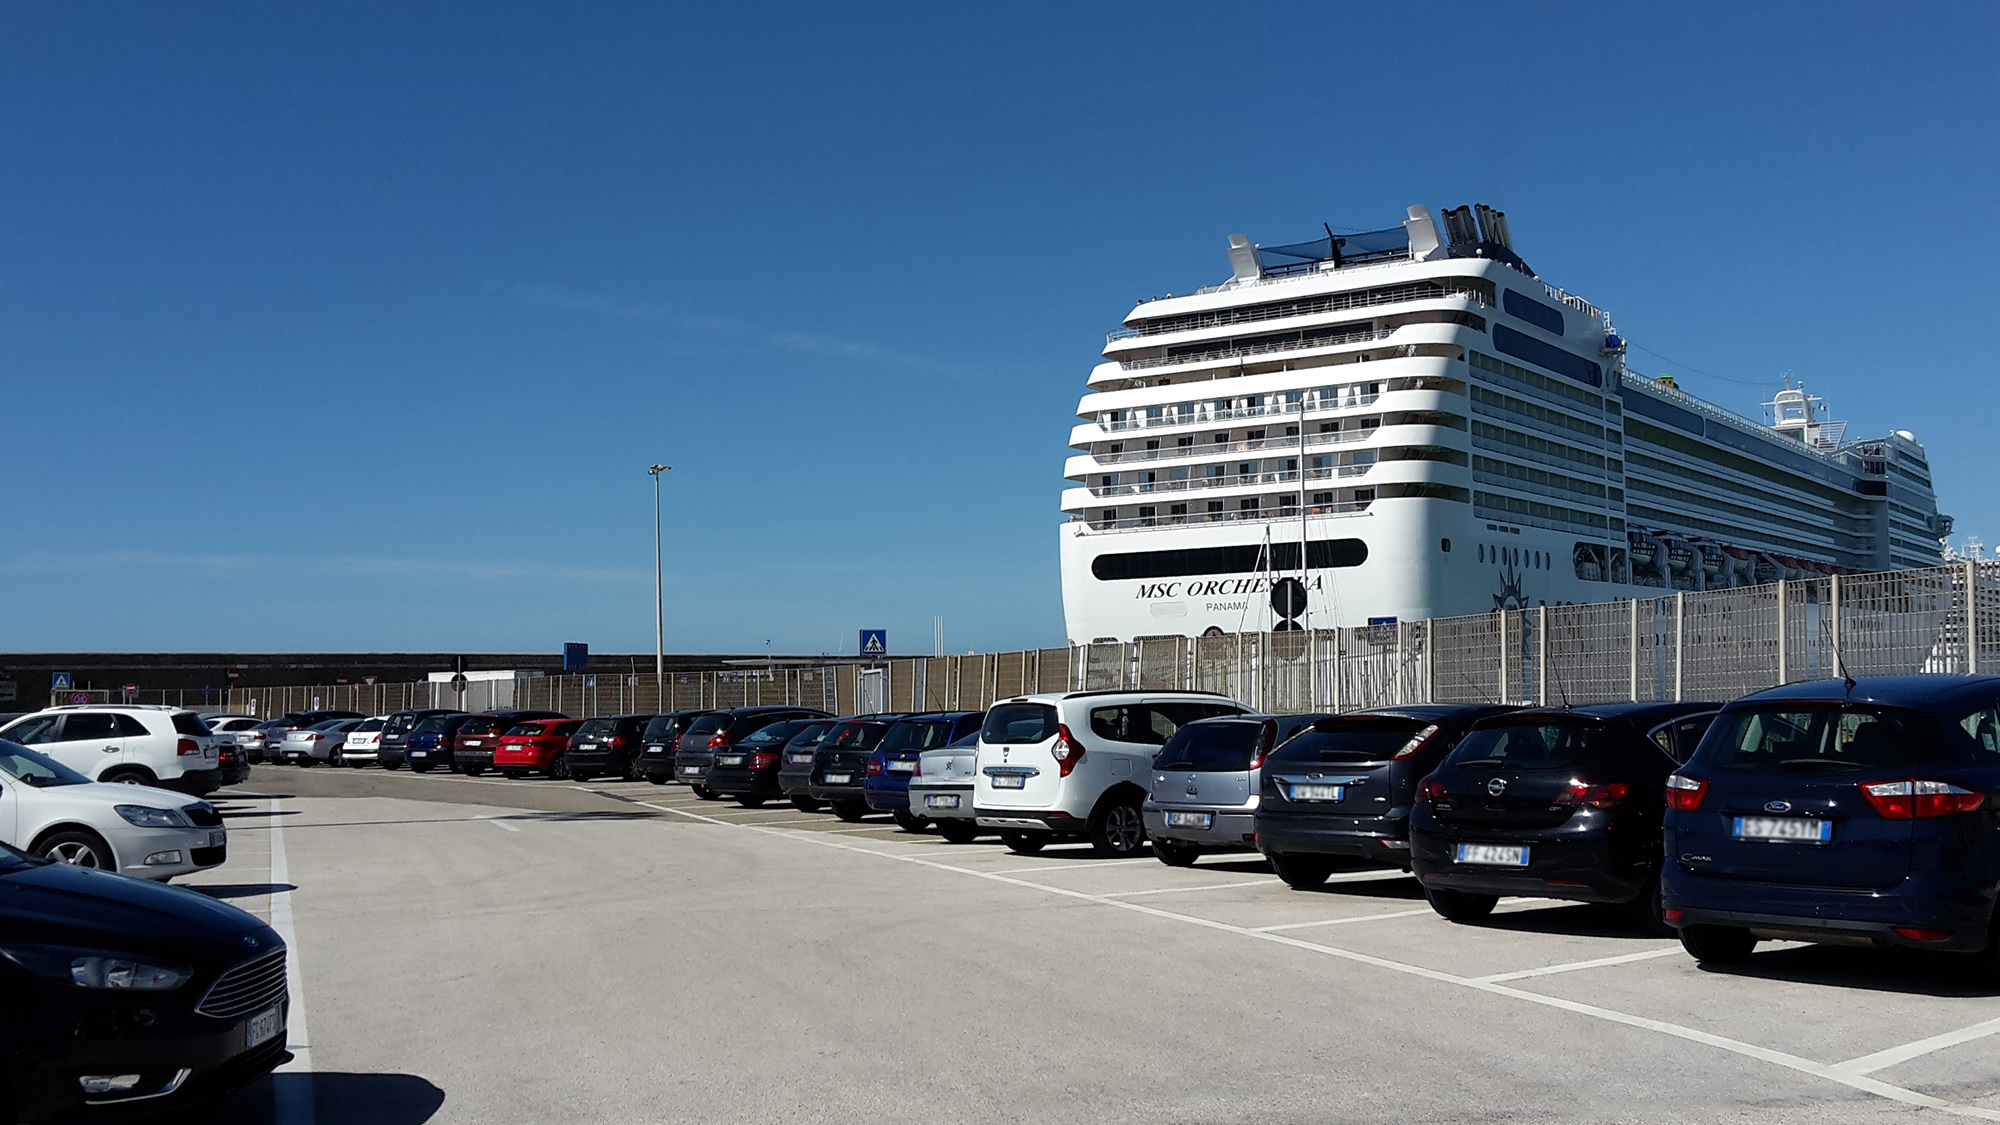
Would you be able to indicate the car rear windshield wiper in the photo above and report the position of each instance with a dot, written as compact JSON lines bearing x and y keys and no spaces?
{"x":1493,"y":763}
{"x":1816,"y":764}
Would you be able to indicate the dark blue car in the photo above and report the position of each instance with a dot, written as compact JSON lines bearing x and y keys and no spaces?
{"x":894,"y":761}
{"x":1862,"y":812}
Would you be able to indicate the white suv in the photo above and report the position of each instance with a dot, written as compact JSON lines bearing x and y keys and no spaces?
{"x":1073,"y":764}
{"x":134,"y":744}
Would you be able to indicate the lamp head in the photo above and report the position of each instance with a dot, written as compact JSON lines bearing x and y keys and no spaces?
{"x":656,"y":470}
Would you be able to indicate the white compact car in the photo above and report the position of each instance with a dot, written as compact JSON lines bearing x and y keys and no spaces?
{"x":1072,"y":765}
{"x":136,"y":744}
{"x":50,"y":810}
{"x":364,"y":743}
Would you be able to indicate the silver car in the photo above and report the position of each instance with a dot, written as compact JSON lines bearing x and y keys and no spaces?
{"x":942,"y":788}
{"x":1206,"y":785}
{"x":309,"y":746}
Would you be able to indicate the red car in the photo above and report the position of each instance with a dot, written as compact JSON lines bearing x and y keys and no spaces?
{"x":537,"y":744}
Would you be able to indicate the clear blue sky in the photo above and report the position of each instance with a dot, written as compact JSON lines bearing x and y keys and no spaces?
{"x":351,"y":326}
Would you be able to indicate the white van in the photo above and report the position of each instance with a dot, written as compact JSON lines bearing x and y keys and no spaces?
{"x":1074,"y":764}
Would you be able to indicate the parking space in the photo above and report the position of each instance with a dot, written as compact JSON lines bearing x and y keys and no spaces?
{"x":531,"y":950}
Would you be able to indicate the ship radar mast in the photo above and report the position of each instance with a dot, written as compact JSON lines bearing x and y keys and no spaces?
{"x":1803,"y":418}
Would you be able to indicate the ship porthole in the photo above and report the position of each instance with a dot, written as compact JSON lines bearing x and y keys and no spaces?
{"x":1445,"y":546}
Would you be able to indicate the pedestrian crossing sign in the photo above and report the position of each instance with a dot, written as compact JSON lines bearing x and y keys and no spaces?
{"x":874,"y":642}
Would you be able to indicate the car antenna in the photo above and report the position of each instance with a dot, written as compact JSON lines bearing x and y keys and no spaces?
{"x":1480,"y":691}
{"x":1840,"y":662}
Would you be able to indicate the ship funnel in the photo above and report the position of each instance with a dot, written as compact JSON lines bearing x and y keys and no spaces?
{"x":1494,"y":225}
{"x":1243,"y":258}
{"x":1424,"y":240}
{"x":1458,"y":227}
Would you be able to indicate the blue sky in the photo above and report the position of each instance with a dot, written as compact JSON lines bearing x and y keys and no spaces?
{"x":351,"y":326}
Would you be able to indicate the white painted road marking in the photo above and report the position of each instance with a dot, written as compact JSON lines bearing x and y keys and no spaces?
{"x":294,"y":1099}
{"x":1573,"y":966}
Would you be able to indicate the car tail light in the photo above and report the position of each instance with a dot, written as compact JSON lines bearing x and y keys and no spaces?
{"x":187,"y":746}
{"x":615,"y":741}
{"x":874,"y":767}
{"x":1067,"y":751}
{"x":1913,"y":798}
{"x":763,"y":759}
{"x":1592,"y":796}
{"x":313,"y":737}
{"x":718,"y":742}
{"x":1417,"y":741}
{"x":1264,"y":740}
{"x":1673,"y":913}
{"x":1922,"y":935}
{"x":1432,"y":791}
{"x":1684,"y":793}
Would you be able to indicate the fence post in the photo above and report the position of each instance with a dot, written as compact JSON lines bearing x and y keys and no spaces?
{"x":1784,"y":640}
{"x":1634,"y":638}
{"x":1833,"y":595}
{"x":1541,"y":656}
{"x":1503,"y":615}
{"x":1680,"y":638}
{"x":1337,"y":631}
{"x":1971,"y":619}
{"x":1430,"y":660}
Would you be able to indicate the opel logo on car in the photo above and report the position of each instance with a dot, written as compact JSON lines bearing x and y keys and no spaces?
{"x":1777,"y":806}
{"x":1497,"y":786}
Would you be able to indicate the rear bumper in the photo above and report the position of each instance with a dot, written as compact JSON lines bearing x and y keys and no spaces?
{"x":884,"y":799}
{"x":595,"y":762}
{"x":845,"y":794}
{"x":474,"y":759}
{"x":1374,"y":839}
{"x":1228,"y":828}
{"x":226,"y":776}
{"x":744,"y":783}
{"x":1031,"y":820}
{"x":1574,"y":866}
{"x":919,"y":801}
{"x":792,"y":781}
{"x":195,"y":782}
{"x":390,"y":755}
{"x":507,"y":758}
{"x":1847,"y":915}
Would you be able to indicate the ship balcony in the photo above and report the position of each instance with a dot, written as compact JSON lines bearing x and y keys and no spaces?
{"x":1082,"y":463}
{"x":1227,"y":359}
{"x":1256,"y":482}
{"x":1129,"y":343}
{"x":1348,"y":502}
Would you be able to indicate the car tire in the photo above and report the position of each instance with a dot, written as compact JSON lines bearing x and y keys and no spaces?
{"x":805,"y":804}
{"x":1118,"y":830}
{"x":78,"y":849}
{"x":558,"y":767}
{"x":128,"y":775}
{"x":957,"y":830}
{"x":1301,"y":872}
{"x":392,"y":766}
{"x":909,"y":821}
{"x":752,"y":802}
{"x":1721,"y":945}
{"x":1460,"y":906}
{"x":634,"y":770}
{"x":1173,"y":853}
{"x":1024,"y":843}
{"x":705,"y":793}
{"x":1649,"y":913}
{"x":336,"y":758}
{"x":849,"y":811}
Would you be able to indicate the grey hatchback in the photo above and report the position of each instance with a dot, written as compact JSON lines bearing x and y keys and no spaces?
{"x":1205,"y":787}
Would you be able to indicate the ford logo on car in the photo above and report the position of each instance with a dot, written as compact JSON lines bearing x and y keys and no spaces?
{"x":1777,"y":806}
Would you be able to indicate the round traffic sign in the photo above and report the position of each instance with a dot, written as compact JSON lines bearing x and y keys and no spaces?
{"x":80,"y":698}
{"x":1288,"y":597}
{"x":458,"y":682}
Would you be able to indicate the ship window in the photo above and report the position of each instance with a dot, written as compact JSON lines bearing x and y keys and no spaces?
{"x":1248,"y":503}
{"x":1534,"y":312}
{"x":1255,"y":435}
{"x":1547,"y":355}
{"x":1217,"y":470}
{"x":1445,"y":546}
{"x":1291,"y":431}
{"x":1329,"y":427}
{"x":1177,"y":510}
{"x":1215,"y":505}
{"x":1321,"y":554}
{"x":1152,"y":445}
{"x":1184,"y":442}
{"x":1322,"y":497}
{"x":1221,"y":439}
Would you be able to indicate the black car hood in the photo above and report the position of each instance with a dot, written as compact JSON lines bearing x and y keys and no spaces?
{"x":57,"y":904}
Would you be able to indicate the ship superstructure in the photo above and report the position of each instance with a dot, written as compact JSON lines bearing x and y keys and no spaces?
{"x":1444,"y":433}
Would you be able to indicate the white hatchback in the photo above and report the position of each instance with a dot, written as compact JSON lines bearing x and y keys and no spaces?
{"x":50,"y":810}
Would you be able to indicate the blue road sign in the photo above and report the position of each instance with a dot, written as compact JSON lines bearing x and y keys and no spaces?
{"x":576,"y":656}
{"x":874,"y":642}
{"x":59,"y":682}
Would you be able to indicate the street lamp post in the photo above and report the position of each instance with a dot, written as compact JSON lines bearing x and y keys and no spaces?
{"x":659,"y":600}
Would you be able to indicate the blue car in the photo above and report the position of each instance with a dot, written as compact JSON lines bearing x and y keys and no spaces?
{"x":894,"y":761}
{"x":1863,"y":812}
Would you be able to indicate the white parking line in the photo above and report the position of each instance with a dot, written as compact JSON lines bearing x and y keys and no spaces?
{"x":1573,"y":966}
{"x":1344,"y":921}
{"x":1868,"y":1064}
{"x":1828,"y":1071}
{"x":499,"y":823}
{"x":294,"y":1100}
{"x":1203,"y":887}
{"x":1070,"y":866}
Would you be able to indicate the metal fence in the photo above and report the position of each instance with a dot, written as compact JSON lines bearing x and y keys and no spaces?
{"x":1714,"y":645}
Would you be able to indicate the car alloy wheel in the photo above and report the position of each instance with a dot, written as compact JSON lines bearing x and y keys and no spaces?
{"x":559,"y":767}
{"x":1120,"y":831}
{"x":77,"y":850}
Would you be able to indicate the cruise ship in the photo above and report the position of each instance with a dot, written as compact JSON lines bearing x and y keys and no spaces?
{"x":1411,"y":423}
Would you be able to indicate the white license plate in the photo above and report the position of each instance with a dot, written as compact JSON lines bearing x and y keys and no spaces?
{"x":656,"y":749}
{"x":471,"y":742}
{"x":838,"y":778}
{"x":1009,"y":781}
{"x":1784,"y":829}
{"x":218,"y":838}
{"x":1496,"y":855}
{"x":895,"y":765}
{"x":1190,"y":819}
{"x":263,"y":1027}
{"x":731,"y":760}
{"x":802,"y":759}
{"x":941,"y":801}
{"x":690,"y":769}
{"x":1318,"y":792}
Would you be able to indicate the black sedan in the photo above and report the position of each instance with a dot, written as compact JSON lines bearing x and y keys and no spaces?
{"x":661,"y":740}
{"x":748,"y":771}
{"x":116,"y":990}
{"x":840,"y":764}
{"x":716,"y":731}
{"x":1563,"y":804}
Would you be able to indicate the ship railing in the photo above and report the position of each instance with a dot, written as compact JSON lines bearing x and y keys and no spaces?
{"x":1232,"y":480}
{"x":1122,"y":334}
{"x":1361,"y":336}
{"x":1274,"y":279}
{"x":1579,"y":304}
{"x":1708,"y":409}
{"x":1204,"y":416}
{"x":1133,"y":523}
{"x":1230,"y":317}
{"x":1213,"y":449}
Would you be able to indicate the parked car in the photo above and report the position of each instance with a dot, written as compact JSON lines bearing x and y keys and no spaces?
{"x":662,"y":740}
{"x":429,"y":743}
{"x":52,"y":811}
{"x":137,"y":744}
{"x":1341,"y":790}
{"x":275,"y":730}
{"x":941,"y":788}
{"x":364,"y":743}
{"x":393,"y":751}
{"x":538,"y":745}
{"x":261,"y":738}
{"x":795,"y":764}
{"x":231,"y":767}
{"x":886,"y":784}
{"x":475,"y":739}
{"x":121,"y":994}
{"x":310,"y":746}
{"x":1070,"y":765}
{"x":1206,"y":786}
{"x":227,"y":725}
{"x":1821,"y":812}
{"x":712,"y":732}
{"x":609,"y":745}
{"x":840,"y":763}
{"x":1546,"y":803}
{"x":748,"y":771}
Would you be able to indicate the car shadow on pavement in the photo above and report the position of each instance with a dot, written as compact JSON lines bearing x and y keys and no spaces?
{"x":229,"y":813}
{"x":336,"y":1098}
{"x":1908,"y":971}
{"x":240,"y":890}
{"x":1397,"y":885}
{"x":1575,"y":920}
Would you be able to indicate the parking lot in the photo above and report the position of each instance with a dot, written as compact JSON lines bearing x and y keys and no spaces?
{"x":474,"y":949}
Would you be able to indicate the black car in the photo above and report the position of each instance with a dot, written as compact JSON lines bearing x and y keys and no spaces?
{"x":795,"y":765}
{"x":1545,"y":803}
{"x":748,"y":771}
{"x":840,"y":763}
{"x":1852,"y":814}
{"x":430,"y":742}
{"x":609,"y":744}
{"x":391,"y":753}
{"x":473,"y":743}
{"x":116,"y":991}
{"x":231,"y":767}
{"x":662,"y":740}
{"x":717,"y":729}
{"x":1340,"y":790}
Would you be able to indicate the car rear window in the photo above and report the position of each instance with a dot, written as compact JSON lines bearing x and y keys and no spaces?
{"x":1150,"y":723}
{"x":593,"y":727}
{"x":187,"y":722}
{"x":914,"y":735}
{"x":369,"y":726}
{"x":1351,"y":738}
{"x":1541,"y":744}
{"x":397,"y":724}
{"x":663,"y":728}
{"x":854,"y":736}
{"x":436,"y":724}
{"x":1216,"y":746}
{"x":776,"y":734}
{"x":808,"y":736}
{"x":528,"y":730}
{"x":1817,"y":739}
{"x":482,"y":725}
{"x":1013,"y":724}
{"x":707,"y":724}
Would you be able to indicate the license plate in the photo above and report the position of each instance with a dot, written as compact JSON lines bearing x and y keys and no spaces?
{"x":471,"y":742}
{"x":1009,"y":781}
{"x":897,"y":766}
{"x":1190,"y":819}
{"x":730,"y":760}
{"x":941,"y":801}
{"x":420,"y":753}
{"x":802,"y":759}
{"x":218,"y":838}
{"x":690,"y":769}
{"x":1318,"y":792}
{"x":656,"y":749}
{"x":838,"y":778}
{"x":263,"y":1027}
{"x":1784,"y":829}
{"x":1497,"y":855}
